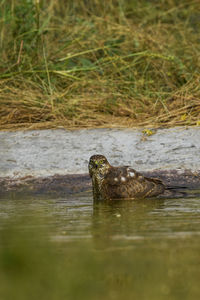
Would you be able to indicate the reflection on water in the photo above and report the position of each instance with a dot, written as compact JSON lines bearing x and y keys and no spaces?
{"x":71,"y":248}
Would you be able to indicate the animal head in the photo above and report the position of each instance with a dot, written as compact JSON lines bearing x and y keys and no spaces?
{"x":98,"y":165}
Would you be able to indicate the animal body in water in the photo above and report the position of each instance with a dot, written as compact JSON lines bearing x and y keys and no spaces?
{"x":111,"y":183}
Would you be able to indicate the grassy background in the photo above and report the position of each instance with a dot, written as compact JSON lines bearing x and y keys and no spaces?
{"x":98,"y":63}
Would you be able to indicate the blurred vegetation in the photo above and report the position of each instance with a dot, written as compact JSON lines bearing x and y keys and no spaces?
{"x":91,"y":63}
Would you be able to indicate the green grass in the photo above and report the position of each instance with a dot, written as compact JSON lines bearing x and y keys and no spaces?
{"x":99,"y":63}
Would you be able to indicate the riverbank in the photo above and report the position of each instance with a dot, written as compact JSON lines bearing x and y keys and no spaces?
{"x":58,"y":159}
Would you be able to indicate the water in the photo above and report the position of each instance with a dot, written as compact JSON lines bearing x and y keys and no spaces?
{"x":70,"y":248}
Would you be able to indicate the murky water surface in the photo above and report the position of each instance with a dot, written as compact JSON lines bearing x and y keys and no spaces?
{"x":70,"y":248}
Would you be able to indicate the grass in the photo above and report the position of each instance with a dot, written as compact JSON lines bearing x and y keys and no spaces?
{"x":78,"y":64}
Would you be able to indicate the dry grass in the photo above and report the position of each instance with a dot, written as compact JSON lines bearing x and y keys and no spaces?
{"x":94,"y":64}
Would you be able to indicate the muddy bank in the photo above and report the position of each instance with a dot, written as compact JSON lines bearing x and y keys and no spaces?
{"x":72,"y":184}
{"x":56,"y":160}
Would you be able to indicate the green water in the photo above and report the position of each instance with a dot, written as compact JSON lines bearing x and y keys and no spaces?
{"x":68,"y":248}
